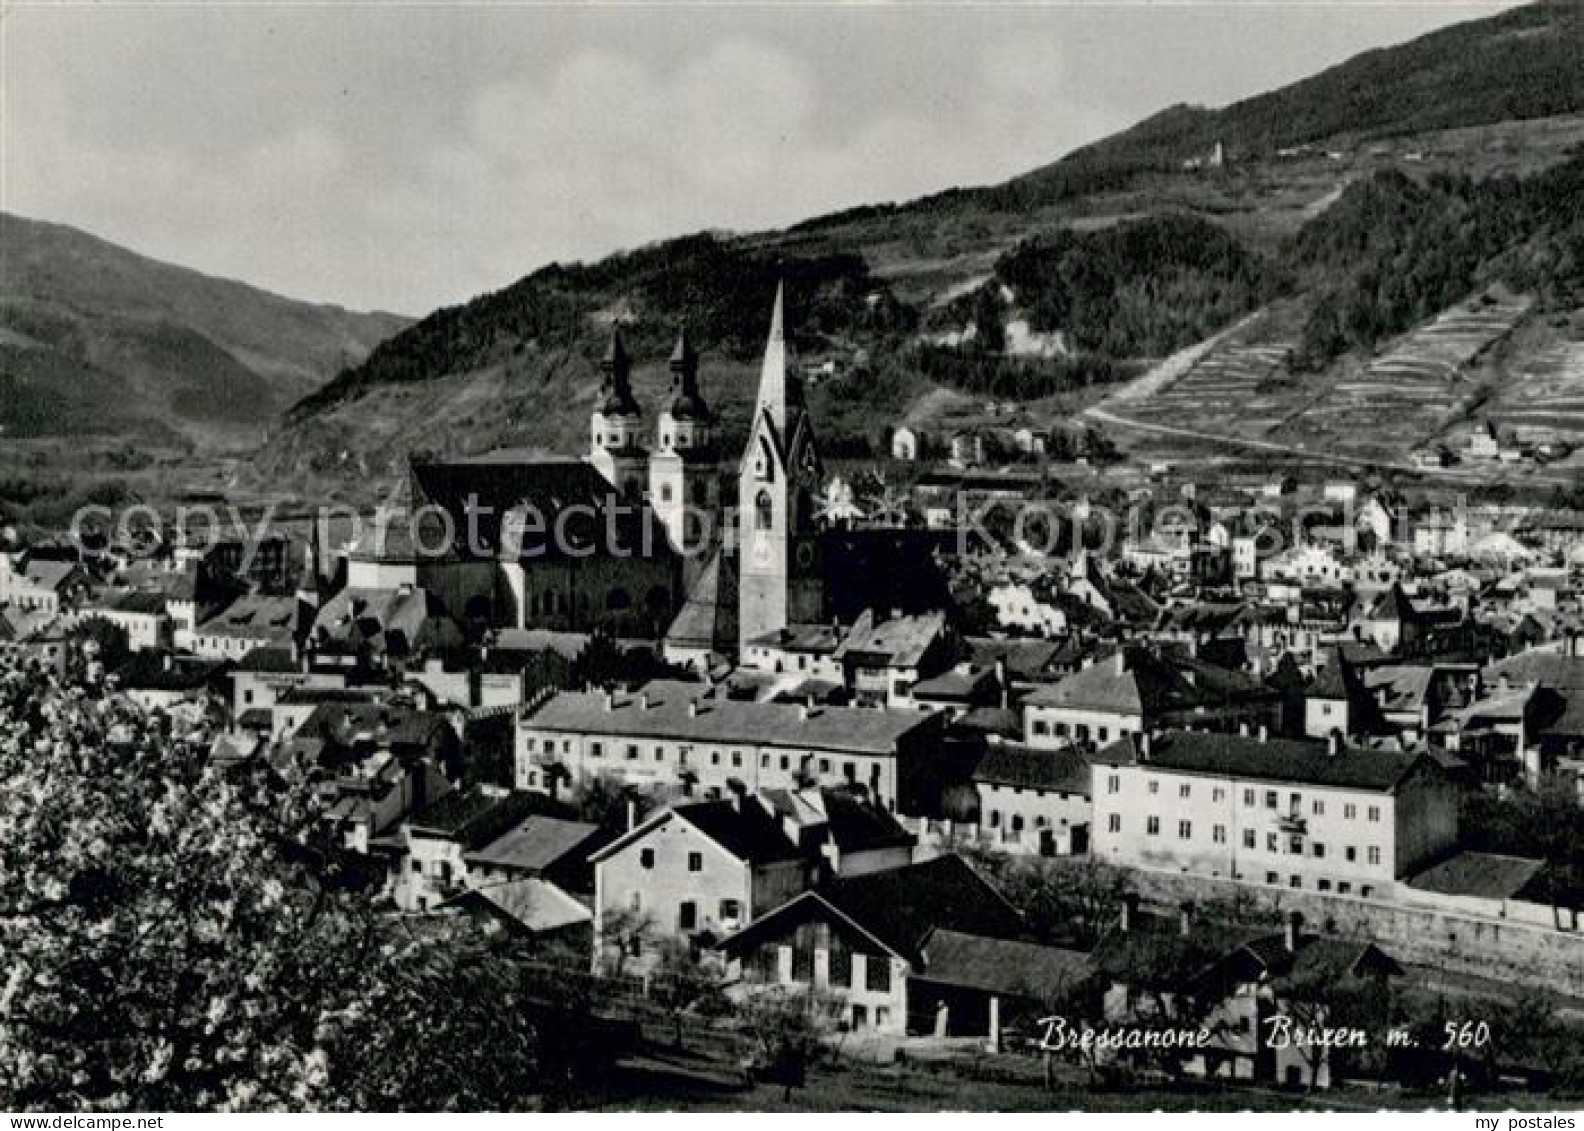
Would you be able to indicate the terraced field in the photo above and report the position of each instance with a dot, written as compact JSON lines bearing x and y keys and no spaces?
{"x":1416,"y":388}
{"x":1240,"y":384}
{"x":1482,"y":358}
{"x":1541,"y":393}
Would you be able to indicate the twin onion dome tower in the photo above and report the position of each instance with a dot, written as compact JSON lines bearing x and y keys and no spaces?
{"x":769,"y":545}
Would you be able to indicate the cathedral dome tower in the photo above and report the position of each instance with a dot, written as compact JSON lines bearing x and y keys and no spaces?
{"x":616,"y":426}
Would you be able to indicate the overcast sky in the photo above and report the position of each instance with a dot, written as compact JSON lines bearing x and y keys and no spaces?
{"x":409,"y":157}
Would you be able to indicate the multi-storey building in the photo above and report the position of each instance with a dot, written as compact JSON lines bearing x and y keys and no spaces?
{"x":1135,"y":690}
{"x":693,"y":740}
{"x":1316,"y":816}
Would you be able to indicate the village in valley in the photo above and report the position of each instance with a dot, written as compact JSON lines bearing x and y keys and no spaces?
{"x":739,"y":732}
{"x":1106,"y":640}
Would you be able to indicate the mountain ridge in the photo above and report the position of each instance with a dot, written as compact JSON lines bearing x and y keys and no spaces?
{"x":159,"y":349}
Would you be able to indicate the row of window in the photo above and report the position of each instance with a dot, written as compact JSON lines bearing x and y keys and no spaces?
{"x":839,"y":966}
{"x":1218,"y":834}
{"x":1251,"y":799}
{"x":1342,"y":887}
{"x":633,"y":752}
{"x":993,"y":818}
{"x":1079,"y":731}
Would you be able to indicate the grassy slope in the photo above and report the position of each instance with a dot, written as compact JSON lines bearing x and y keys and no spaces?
{"x":122,"y":343}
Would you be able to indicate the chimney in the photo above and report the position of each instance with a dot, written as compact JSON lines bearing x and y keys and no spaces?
{"x":692,"y":708}
{"x":1143,"y":744}
{"x":1291,"y":933}
{"x":1121,"y":661}
{"x":1185,"y":913}
{"x":632,"y":813}
{"x":1334,"y":743}
{"x":1003,"y":684}
{"x":1130,"y":902}
{"x":643,"y":701}
{"x":1264,"y":732}
{"x":1243,"y":729}
{"x":166,"y":661}
{"x":610,"y":701}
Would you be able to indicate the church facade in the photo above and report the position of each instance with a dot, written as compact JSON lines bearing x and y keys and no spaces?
{"x":644,"y":535}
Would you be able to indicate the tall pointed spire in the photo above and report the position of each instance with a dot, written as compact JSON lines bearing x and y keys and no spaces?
{"x":773,"y":377}
{"x":617,"y":367}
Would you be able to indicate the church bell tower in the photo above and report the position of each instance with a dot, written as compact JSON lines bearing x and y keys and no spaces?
{"x":684,"y":472}
{"x":777,"y":483}
{"x":616,"y":427}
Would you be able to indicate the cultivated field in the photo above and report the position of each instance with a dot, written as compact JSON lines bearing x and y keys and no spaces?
{"x":1419,"y":385}
{"x":1540,"y":395}
{"x":1238,"y":384}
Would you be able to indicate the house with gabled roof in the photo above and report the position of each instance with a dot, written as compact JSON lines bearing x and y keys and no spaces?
{"x":249,"y":622}
{"x":1245,"y":986}
{"x":1136,"y":689}
{"x":430,"y":849}
{"x":704,"y":869}
{"x":871,"y":940}
{"x":141,"y":614}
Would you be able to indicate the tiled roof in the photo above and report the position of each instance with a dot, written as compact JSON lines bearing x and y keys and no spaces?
{"x":1025,"y":767}
{"x":535,"y":844}
{"x":862,"y":730}
{"x":746,"y":830}
{"x":1004,"y":721}
{"x":254,"y":617}
{"x":1400,"y":688}
{"x":1025,"y":659}
{"x":708,"y":618}
{"x":1147,"y":684}
{"x":899,"y":642}
{"x":1484,"y":874}
{"x":536,"y":904}
{"x":499,"y":485}
{"x":47,"y":573}
{"x":346,"y":723}
{"x":998,"y":965}
{"x":148,"y":671}
{"x":140,"y":601}
{"x":817,"y":638}
{"x":903,"y":907}
{"x":1271,"y":759}
{"x":266,"y":658}
{"x":1393,"y":605}
{"x":1549,"y":668}
{"x":957,"y":684}
{"x":475,"y":816}
{"x":852,"y":824}
{"x":402,"y":619}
